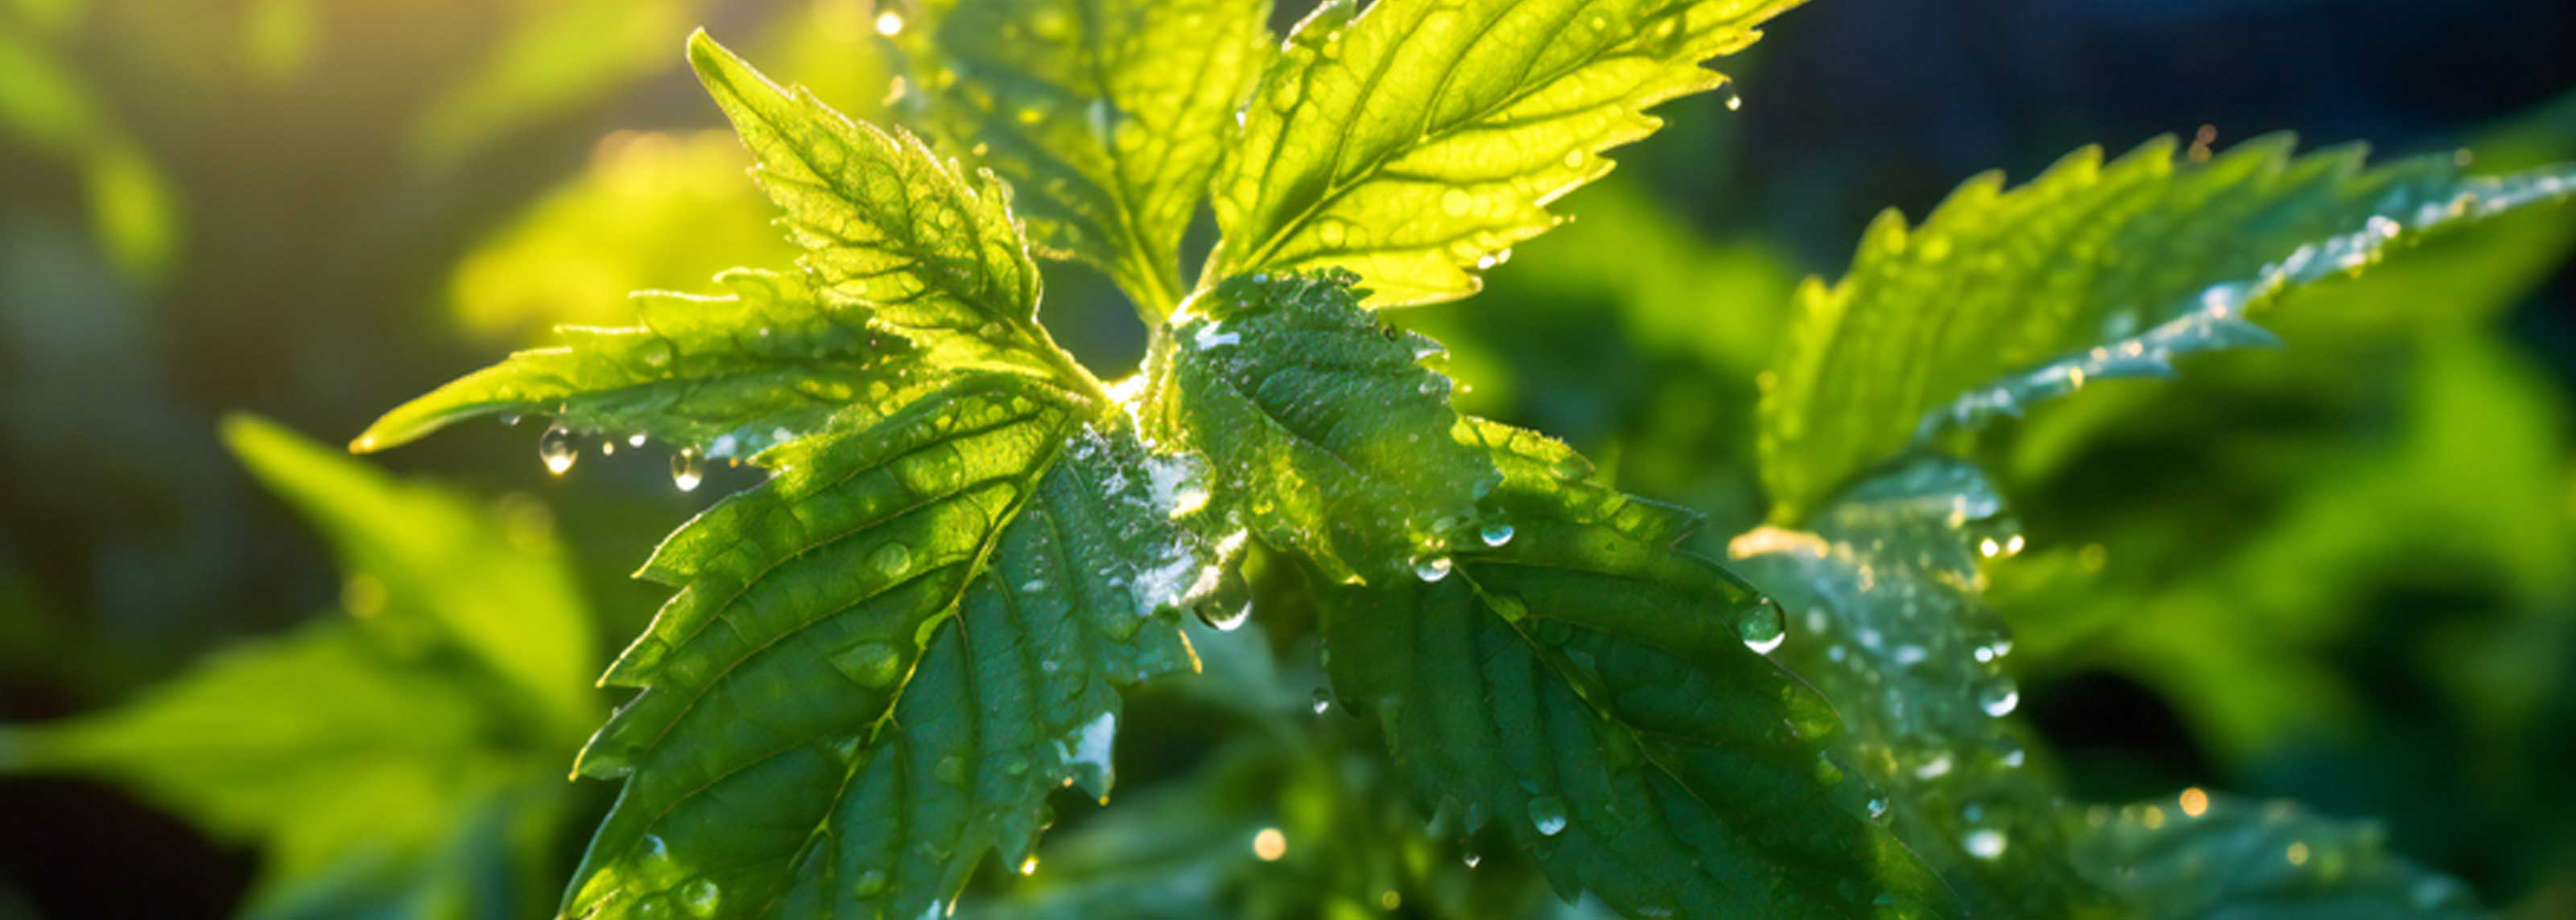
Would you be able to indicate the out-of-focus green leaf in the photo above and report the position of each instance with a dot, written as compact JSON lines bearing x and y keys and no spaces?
{"x":277,"y":38}
{"x":2204,"y":857}
{"x":1107,"y":117}
{"x":378,"y":776}
{"x":1415,"y":140}
{"x":1335,"y":441}
{"x":557,"y":55}
{"x":653,"y":211}
{"x":881,"y":661}
{"x":2089,"y":272}
{"x":134,"y":212}
{"x":430,"y":567}
{"x":1884,"y":616}
{"x":1603,"y":701}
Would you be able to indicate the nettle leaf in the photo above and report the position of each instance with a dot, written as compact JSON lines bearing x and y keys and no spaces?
{"x":881,"y":661}
{"x":1414,"y":140}
{"x":2091,"y":271}
{"x":1601,"y":700}
{"x":2202,"y":856}
{"x":1336,"y":441}
{"x":1107,"y":117}
{"x":1886,"y":617}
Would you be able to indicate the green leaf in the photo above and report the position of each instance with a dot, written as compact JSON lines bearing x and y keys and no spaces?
{"x":425,"y":565}
{"x":879,"y":662}
{"x":2204,"y":856}
{"x":2089,"y":272}
{"x":1414,"y":140}
{"x":763,"y":365}
{"x":1598,"y":698}
{"x":396,"y":763}
{"x":1885,"y":618}
{"x":1334,"y":442}
{"x":1106,"y":117}
{"x":886,"y":223}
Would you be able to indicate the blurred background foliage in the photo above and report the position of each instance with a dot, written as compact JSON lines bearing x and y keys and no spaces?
{"x":243,"y":674}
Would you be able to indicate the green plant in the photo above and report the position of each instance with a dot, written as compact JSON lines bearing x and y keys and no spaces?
{"x":878,"y":664}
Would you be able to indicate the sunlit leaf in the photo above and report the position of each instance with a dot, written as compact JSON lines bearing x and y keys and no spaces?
{"x":1884,"y":615}
{"x":1320,"y":418}
{"x":2202,"y":857}
{"x":1415,"y":140}
{"x":2089,"y":272}
{"x":1107,"y":118}
{"x":881,"y":661}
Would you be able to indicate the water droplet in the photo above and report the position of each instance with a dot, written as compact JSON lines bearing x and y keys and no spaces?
{"x":701,"y":898}
{"x":891,"y":559}
{"x":1029,"y":866}
{"x":556,"y":449}
{"x":1734,"y":103}
{"x":1431,"y":568}
{"x":1323,"y":700}
{"x":1984,"y":843}
{"x":688,"y":468}
{"x":1877,"y":807}
{"x":1496,"y":534}
{"x":1547,"y":815}
{"x":1219,"y":619}
{"x":1762,"y":628}
{"x":871,"y":664}
{"x":1457,"y":202}
{"x":1998,"y":697}
{"x":1471,"y":858}
{"x":951,"y":770}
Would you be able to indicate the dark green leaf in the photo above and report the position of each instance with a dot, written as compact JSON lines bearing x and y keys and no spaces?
{"x":2204,"y":857}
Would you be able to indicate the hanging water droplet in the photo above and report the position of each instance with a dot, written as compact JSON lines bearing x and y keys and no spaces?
{"x":1547,"y":815}
{"x":1734,"y":103}
{"x":556,"y":449}
{"x":1877,"y":807}
{"x":1029,"y":866}
{"x":636,"y":440}
{"x":1471,"y":858}
{"x":871,"y":664}
{"x":1431,"y":568}
{"x":891,"y":559}
{"x":688,"y":468}
{"x":1217,"y":617}
{"x":1496,"y":534}
{"x":1984,"y":843}
{"x":701,"y":898}
{"x":1323,"y":700}
{"x":1762,"y":628}
{"x":1998,"y":697}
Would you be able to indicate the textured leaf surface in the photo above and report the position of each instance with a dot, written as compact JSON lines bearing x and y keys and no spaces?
{"x":1336,"y":442}
{"x":2202,"y":857}
{"x":1415,"y":140}
{"x":1107,"y":116}
{"x":756,"y":367}
{"x":2089,"y":272}
{"x":1596,"y":696}
{"x":880,"y":661}
{"x":1884,"y":615}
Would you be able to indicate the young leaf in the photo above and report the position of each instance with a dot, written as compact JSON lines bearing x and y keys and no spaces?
{"x":1415,"y":139}
{"x":886,"y":223}
{"x":1107,"y":117}
{"x":1603,"y":701}
{"x":2088,"y":272}
{"x":2204,"y":856}
{"x":1884,"y":616}
{"x":1334,"y":441}
{"x":881,"y":661}
{"x":760,"y":366}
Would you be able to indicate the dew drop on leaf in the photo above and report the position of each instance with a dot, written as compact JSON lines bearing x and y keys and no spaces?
{"x":1547,"y":815}
{"x":1984,"y":843}
{"x":1998,"y":697}
{"x":1221,"y":619}
{"x":891,"y":559}
{"x":556,"y":449}
{"x":1323,"y":700}
{"x":1762,"y":628}
{"x":1496,"y":534}
{"x":688,"y":468}
{"x":701,"y":898}
{"x":1431,"y":568}
{"x":870,"y":882}
{"x":951,"y":770}
{"x":871,"y":664}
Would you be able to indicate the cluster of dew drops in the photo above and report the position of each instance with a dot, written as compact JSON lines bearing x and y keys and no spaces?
{"x":559,"y":447}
